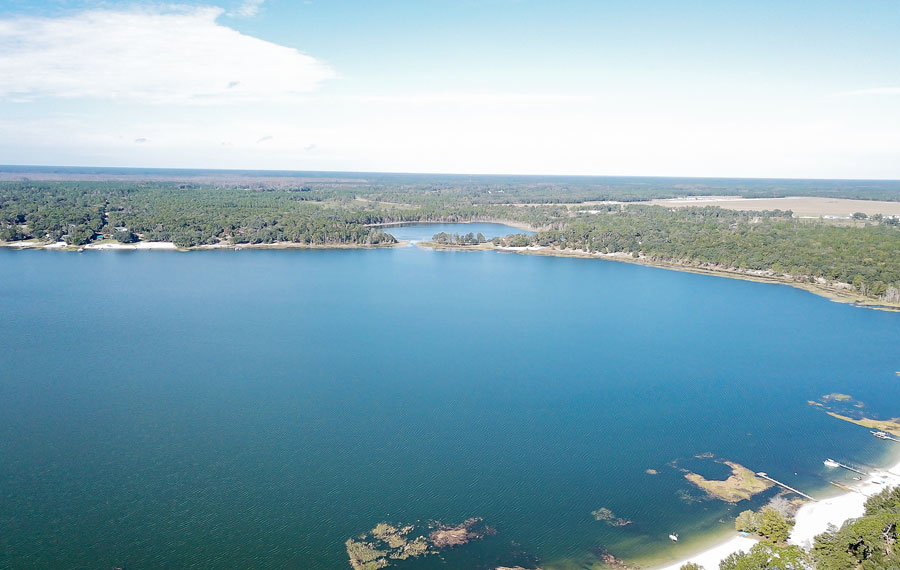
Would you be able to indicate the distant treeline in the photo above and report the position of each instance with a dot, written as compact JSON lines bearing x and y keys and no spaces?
{"x":470,"y":238}
{"x":867,"y":256}
{"x":865,"y":253}
{"x":481,"y":188}
{"x":191,"y":215}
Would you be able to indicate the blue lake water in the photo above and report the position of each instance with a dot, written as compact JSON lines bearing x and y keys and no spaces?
{"x":238,"y":409}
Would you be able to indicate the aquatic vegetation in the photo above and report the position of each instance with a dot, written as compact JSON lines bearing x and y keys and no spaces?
{"x":471,"y":529}
{"x":386,"y":542}
{"x":608,"y":559}
{"x":689,"y":498}
{"x":837,"y":397}
{"x":891,"y":426}
{"x":740,"y":485}
{"x":849,"y":411}
{"x":364,"y":556}
{"x":412,"y":548}
{"x":609,"y":517}
{"x":396,"y":538}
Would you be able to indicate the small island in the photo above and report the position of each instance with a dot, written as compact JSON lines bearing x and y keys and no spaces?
{"x":848,"y":409}
{"x":741,"y":485}
{"x":386,"y":542}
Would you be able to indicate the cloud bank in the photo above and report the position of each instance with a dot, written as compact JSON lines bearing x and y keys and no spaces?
{"x":249,"y":8}
{"x":872,"y":91}
{"x":160,"y":56}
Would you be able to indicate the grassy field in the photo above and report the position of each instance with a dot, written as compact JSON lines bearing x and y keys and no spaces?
{"x":802,"y":206}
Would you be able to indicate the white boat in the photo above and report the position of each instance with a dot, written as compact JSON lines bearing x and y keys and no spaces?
{"x":831,"y":463}
{"x":674,"y":537}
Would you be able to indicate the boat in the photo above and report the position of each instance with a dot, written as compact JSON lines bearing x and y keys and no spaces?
{"x":831,"y":463}
{"x":881,"y":434}
{"x":674,"y":537}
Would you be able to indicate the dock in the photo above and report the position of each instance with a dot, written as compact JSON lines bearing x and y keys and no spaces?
{"x":845,"y":488}
{"x":780,"y":484}
{"x":885,"y":436}
{"x":847,"y":467}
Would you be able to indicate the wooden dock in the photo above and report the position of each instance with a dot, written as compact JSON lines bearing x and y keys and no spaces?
{"x":845,"y":488}
{"x":780,"y":484}
{"x":885,"y":436}
{"x":848,"y":468}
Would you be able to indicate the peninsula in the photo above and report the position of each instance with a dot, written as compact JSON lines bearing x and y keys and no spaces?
{"x":846,"y":258}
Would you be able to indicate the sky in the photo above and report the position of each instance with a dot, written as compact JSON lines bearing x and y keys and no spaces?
{"x":704,"y":88}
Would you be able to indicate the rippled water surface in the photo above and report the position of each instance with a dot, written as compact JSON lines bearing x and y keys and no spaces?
{"x":254,"y":409}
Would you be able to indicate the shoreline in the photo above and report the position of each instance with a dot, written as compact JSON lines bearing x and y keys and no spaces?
{"x":109,"y":245}
{"x":511,"y":223}
{"x":839,"y":293}
{"x":811,"y":519}
{"x":836,"y":292}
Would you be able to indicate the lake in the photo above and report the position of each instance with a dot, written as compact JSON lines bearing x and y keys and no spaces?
{"x":238,"y":409}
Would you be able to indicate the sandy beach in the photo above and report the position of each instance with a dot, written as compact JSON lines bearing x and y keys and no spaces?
{"x":169,"y":246}
{"x":812,"y":519}
{"x":166,"y":245}
{"x":711,"y":557}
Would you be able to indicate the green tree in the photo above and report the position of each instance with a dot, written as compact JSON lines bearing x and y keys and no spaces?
{"x":775,"y":526}
{"x":764,"y":556}
{"x":887,"y":501}
{"x":868,"y":543}
{"x":747,"y":521}
{"x":125,"y":236}
{"x":11,"y":233}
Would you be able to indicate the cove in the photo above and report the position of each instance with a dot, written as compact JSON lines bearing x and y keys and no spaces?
{"x":229,"y":409}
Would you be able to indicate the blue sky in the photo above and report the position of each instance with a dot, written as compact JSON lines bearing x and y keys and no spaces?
{"x":793,"y":89}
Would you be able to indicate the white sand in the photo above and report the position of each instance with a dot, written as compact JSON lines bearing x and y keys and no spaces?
{"x":133,"y":246}
{"x":811,"y":519}
{"x":814,"y":518}
{"x":33,"y":244}
{"x":710,"y":558}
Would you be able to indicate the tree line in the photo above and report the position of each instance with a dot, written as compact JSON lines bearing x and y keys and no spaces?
{"x":865,"y":255}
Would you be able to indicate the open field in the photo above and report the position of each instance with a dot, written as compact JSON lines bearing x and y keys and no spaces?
{"x":802,"y":206}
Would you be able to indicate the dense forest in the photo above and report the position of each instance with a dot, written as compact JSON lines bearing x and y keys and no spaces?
{"x":479,"y":189}
{"x":191,"y":215}
{"x":864,"y":252}
{"x":867,"y":256}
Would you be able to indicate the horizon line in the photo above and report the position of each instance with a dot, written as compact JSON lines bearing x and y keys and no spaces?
{"x":415,"y":173}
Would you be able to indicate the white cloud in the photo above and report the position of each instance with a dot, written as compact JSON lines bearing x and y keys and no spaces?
{"x":174,"y":55}
{"x":249,"y":8}
{"x":873,"y":91}
{"x":469,"y":98}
